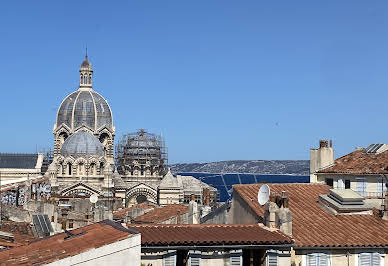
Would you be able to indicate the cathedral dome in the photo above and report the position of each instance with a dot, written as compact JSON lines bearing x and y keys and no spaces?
{"x":82,"y":143}
{"x":85,"y":108}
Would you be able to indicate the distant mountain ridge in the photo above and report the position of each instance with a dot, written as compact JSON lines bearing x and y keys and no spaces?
{"x":281,"y":167}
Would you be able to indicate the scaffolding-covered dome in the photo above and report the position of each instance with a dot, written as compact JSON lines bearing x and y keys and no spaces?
{"x":85,"y":108}
{"x":141,"y":151}
{"x":82,"y":144}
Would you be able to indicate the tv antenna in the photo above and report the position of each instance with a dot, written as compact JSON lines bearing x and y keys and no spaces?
{"x":263,"y":194}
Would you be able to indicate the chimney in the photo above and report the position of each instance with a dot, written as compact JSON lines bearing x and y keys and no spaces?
{"x":193,"y":211}
{"x":285,"y":217}
{"x":270,"y":212}
{"x":276,"y":216}
{"x":321,"y":157}
{"x":206,"y":195}
{"x":178,"y":217}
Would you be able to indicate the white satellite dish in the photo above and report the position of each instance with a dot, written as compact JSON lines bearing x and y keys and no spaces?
{"x":93,"y":198}
{"x":263,"y":195}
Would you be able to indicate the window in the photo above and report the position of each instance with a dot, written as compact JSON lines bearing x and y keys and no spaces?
{"x":194,"y":258}
{"x":169,"y":259}
{"x":235,"y":257}
{"x":70,"y":223}
{"x":347,"y":183}
{"x":317,"y":259}
{"x":69,"y":168}
{"x":369,"y":259}
{"x":329,"y":182}
{"x":272,"y":258}
{"x":340,"y":183}
{"x":361,"y":186}
{"x":381,"y":188}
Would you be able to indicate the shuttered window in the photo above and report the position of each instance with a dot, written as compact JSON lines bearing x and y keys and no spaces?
{"x":194,"y":258}
{"x":235,"y":257}
{"x":272,"y":258}
{"x":169,"y":259}
{"x":317,"y":259}
{"x":369,"y":259}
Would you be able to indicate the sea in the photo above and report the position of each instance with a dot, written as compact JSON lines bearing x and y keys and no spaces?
{"x":224,"y":182}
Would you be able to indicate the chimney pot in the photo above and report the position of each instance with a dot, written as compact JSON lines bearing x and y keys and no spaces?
{"x":323,"y":144}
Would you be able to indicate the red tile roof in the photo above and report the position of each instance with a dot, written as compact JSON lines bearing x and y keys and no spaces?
{"x":358,"y":162}
{"x":121,"y":214}
{"x":162,"y":214}
{"x":55,"y":247}
{"x":314,"y":226}
{"x":208,"y":234}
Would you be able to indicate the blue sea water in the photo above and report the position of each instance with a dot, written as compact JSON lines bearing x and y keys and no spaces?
{"x":224,"y":182}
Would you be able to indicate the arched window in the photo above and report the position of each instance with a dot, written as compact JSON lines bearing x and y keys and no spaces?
{"x":92,"y":169}
{"x":82,"y":79}
{"x":90,"y":78}
{"x":69,"y":168}
{"x":80,"y":168}
{"x":101,"y":168}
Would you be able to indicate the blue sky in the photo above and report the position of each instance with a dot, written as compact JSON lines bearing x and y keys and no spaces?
{"x":221,"y":80}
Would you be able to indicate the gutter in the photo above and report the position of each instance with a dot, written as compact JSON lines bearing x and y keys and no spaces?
{"x":215,"y":246}
{"x":338,"y":248}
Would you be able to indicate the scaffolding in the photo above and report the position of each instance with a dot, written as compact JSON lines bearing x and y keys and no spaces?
{"x":141,"y":153}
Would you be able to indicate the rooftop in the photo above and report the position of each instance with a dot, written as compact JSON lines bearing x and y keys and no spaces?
{"x":162,"y":214}
{"x":57,"y":247}
{"x":359,"y":162}
{"x":313,"y":225}
{"x":121,"y":214}
{"x":209,"y":234}
{"x":18,"y":161}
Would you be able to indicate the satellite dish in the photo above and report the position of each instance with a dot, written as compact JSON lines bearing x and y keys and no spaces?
{"x":93,"y":198}
{"x":263,"y":195}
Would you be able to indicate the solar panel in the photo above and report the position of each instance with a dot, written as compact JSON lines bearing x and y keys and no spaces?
{"x":42,"y":224}
{"x":373,"y":148}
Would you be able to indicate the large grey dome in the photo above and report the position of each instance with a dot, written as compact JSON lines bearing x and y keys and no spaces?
{"x":85,"y":107}
{"x":82,"y":143}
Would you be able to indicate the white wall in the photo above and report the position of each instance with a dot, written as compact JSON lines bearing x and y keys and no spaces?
{"x":124,"y":252}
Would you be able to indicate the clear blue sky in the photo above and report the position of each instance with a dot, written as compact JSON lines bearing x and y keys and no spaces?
{"x":221,"y":80}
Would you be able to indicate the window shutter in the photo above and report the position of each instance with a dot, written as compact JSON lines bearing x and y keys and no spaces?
{"x":169,"y":259}
{"x":272,"y":259}
{"x":194,"y":258}
{"x":235,"y":257}
{"x":312,"y":260}
{"x":323,"y":259}
{"x":364,"y":259}
{"x":375,"y":259}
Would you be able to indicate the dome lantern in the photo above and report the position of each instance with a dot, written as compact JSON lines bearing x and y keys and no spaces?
{"x":86,"y":74}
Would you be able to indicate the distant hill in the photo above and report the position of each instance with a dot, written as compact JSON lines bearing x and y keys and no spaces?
{"x":299,"y":167}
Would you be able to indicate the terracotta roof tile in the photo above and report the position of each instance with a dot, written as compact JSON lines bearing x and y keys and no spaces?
{"x":312,"y":225}
{"x":56,"y":247}
{"x":121,"y":214}
{"x":208,"y":234}
{"x":358,"y":162}
{"x":162,"y":214}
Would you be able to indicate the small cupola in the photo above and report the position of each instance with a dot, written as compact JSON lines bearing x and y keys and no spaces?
{"x":86,"y":74}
